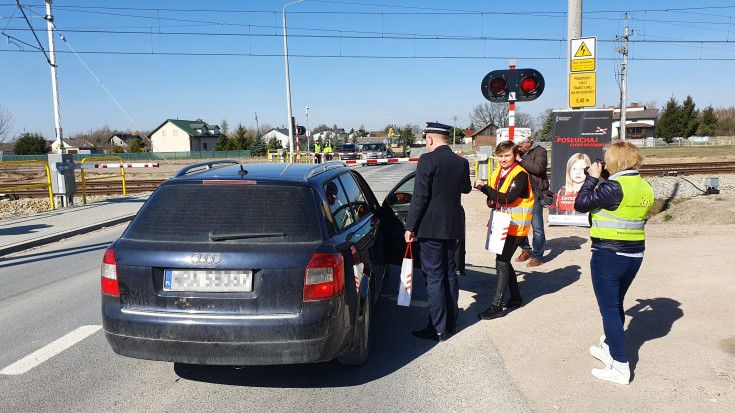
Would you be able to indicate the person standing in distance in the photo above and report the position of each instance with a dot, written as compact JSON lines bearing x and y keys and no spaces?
{"x":435,"y":218}
{"x":533,"y":159}
{"x":618,"y":209}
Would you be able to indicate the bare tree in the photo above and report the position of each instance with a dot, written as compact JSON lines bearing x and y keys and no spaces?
{"x":497,"y":113}
{"x":6,"y":123}
{"x":523,"y":120}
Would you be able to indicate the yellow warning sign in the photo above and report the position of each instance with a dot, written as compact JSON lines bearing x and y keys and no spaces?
{"x":582,"y":90}
{"x":583,"y":51}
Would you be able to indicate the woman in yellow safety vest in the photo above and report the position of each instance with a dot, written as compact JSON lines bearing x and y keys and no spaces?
{"x":509,"y":190}
{"x":328,"y":150}
{"x":617,"y":210}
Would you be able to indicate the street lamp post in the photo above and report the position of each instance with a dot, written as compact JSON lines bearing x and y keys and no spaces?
{"x":288,"y":84}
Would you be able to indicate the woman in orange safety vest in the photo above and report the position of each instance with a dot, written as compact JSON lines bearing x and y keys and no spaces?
{"x":508,"y":190}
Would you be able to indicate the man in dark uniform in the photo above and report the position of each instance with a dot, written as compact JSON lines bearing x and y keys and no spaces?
{"x":436,"y":219}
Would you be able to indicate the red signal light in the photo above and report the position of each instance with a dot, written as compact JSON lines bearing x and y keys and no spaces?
{"x":529,"y":84}
{"x":497,"y":86}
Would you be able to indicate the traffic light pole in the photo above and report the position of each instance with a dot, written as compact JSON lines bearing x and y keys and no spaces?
{"x":511,"y":109}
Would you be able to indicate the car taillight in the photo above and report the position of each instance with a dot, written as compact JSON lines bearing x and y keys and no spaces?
{"x":109,"y":274}
{"x":325,"y":277}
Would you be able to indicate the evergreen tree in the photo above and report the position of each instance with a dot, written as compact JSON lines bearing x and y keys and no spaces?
{"x":136,"y":146}
{"x":707,"y":122}
{"x":689,"y":118}
{"x":547,"y":128}
{"x":258,"y":147}
{"x":669,"y":125}
{"x":30,"y":144}
{"x":274,"y":144}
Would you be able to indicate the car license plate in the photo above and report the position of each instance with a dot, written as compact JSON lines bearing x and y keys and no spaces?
{"x":216,"y":281}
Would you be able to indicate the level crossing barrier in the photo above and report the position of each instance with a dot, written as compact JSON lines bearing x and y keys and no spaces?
{"x":47,"y":184}
{"x":120,"y":165}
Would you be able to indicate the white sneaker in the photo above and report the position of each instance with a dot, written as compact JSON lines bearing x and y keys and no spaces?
{"x":602,"y":352}
{"x":617,"y":373}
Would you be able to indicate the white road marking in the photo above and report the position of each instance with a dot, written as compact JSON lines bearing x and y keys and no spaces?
{"x":45,"y":353}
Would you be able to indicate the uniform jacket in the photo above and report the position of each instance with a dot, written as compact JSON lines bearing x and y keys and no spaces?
{"x":441,"y":178}
{"x":535,"y":162}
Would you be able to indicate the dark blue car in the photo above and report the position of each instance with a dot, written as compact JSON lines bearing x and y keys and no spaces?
{"x":252,"y":264}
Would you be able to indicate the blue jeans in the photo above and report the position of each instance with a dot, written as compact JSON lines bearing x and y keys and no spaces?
{"x":612,"y":274}
{"x":539,"y":237}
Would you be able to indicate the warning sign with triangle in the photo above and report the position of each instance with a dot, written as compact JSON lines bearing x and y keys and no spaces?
{"x":583,"y":51}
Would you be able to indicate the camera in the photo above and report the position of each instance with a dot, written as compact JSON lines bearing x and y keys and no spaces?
{"x":603,"y":174}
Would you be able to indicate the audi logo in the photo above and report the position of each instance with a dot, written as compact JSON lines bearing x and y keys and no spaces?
{"x":206,"y":258}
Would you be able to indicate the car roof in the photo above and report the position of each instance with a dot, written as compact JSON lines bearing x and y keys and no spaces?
{"x":276,"y":172}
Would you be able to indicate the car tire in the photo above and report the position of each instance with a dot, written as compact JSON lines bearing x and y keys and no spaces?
{"x":357,"y":354}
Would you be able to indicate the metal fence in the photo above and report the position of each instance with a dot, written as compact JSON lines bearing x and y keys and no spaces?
{"x":142,"y":156}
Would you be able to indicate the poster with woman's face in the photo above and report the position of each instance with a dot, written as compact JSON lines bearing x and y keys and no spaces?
{"x":578,"y":139}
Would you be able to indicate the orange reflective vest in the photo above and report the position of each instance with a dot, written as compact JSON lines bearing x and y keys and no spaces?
{"x":520,"y":210}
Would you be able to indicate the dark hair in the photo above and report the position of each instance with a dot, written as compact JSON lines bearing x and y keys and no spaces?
{"x":506,"y":146}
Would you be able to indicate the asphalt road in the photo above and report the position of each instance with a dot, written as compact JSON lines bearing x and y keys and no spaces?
{"x":54,"y":357}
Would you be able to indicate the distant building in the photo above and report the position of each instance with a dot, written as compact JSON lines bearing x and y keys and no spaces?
{"x":176,"y":135}
{"x":640,"y":122}
{"x":279,"y":133}
{"x":486,"y":136}
{"x":124,"y":139}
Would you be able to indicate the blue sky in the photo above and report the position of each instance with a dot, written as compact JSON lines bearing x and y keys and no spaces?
{"x":354,"y":63}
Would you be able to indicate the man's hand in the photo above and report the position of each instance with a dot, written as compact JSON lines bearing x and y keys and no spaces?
{"x":479,"y":184}
{"x":410,"y":236}
{"x":518,"y":158}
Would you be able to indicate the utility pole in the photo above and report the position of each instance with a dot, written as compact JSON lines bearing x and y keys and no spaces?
{"x":454,"y":132}
{"x":257,"y":128}
{"x":54,"y":79}
{"x":624,"y":79}
{"x":574,"y":31}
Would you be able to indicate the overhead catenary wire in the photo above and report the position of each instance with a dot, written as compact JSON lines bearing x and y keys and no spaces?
{"x":138,"y":128}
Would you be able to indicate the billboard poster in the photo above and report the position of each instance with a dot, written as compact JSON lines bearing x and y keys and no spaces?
{"x":578,"y":139}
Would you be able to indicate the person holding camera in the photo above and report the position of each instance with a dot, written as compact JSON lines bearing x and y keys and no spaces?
{"x":618,"y":208}
{"x":533,"y":158}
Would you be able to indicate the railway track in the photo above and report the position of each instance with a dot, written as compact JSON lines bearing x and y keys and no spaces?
{"x":149,"y":185}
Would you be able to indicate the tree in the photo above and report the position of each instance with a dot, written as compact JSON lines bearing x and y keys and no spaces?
{"x":407,"y":135}
{"x":546,"y":119}
{"x":136,"y":146}
{"x":456,"y":135}
{"x":258,"y":147}
{"x":224,"y":127}
{"x":118,"y":149}
{"x":274,"y":143}
{"x":689,"y":118}
{"x":669,"y":121}
{"x":490,"y":112}
{"x":707,"y":122}
{"x":6,"y":123}
{"x":30,"y":144}
{"x":725,"y":121}
{"x":523,"y":120}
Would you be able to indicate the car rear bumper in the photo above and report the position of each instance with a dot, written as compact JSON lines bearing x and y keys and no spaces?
{"x":200,"y":338}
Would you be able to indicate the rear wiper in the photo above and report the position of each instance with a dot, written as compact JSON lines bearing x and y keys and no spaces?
{"x":244,"y":235}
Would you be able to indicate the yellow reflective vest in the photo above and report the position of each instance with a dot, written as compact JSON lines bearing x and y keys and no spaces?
{"x":627,"y":221}
{"x":520,"y":210}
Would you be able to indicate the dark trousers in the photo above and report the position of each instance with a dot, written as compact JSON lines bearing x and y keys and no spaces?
{"x":539,"y":236}
{"x":442,"y":286}
{"x":612,"y":274}
{"x":507,"y":277}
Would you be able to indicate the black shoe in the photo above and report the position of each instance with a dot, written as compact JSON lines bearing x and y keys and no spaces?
{"x":428,"y":334}
{"x":491,"y":312}
{"x":514,"y":303}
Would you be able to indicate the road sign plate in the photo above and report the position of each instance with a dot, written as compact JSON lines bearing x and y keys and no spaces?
{"x":582,"y":90}
{"x":583,"y":54}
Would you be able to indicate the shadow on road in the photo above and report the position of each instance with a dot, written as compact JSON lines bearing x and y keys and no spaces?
{"x":25,"y":229}
{"x":557,"y":246}
{"x":50,"y":255}
{"x":650,"y":319}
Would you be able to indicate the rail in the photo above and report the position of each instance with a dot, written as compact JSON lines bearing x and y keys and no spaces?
{"x":29,"y":186}
{"x":102,"y":158}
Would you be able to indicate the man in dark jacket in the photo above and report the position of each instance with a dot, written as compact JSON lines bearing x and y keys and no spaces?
{"x":435,"y":218}
{"x":533,"y":159}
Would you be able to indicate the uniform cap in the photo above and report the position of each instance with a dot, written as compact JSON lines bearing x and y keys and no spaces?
{"x":435,"y":127}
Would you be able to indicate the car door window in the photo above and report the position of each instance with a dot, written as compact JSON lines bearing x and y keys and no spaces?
{"x":358,"y":203}
{"x":339,"y":204}
{"x":399,"y":199}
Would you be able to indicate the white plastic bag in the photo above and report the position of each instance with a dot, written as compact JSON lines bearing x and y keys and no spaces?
{"x":406,"y":286}
{"x":497,"y":231}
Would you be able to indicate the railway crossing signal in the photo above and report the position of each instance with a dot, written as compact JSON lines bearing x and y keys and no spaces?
{"x":517,"y":85}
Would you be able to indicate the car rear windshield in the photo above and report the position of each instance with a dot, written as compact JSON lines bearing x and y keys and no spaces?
{"x":249,"y":213}
{"x":373,"y":147}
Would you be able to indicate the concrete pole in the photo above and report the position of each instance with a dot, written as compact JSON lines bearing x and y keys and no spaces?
{"x":574,"y":31}
{"x":511,"y":109}
{"x":288,"y":84}
{"x":454,"y":133}
{"x":54,"y":78}
{"x":624,"y":84}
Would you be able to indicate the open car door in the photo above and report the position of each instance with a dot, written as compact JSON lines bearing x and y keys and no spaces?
{"x":394,"y":212}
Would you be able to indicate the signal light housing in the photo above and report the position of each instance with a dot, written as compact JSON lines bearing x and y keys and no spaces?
{"x":519,"y":85}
